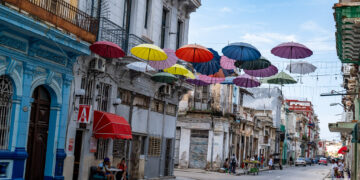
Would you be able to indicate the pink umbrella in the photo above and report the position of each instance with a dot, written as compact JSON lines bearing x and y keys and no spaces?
{"x":211,"y":80}
{"x":170,"y":61}
{"x":107,"y":49}
{"x":267,"y":72}
{"x":246,"y":81}
{"x":227,"y":63}
{"x":291,"y":50}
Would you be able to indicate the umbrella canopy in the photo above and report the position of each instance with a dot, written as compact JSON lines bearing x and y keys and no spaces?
{"x":194,"y":53}
{"x":227,"y":63}
{"x":140,"y":66}
{"x":261,"y":63}
{"x":180,"y":70}
{"x":210,"y":67}
{"x":281,"y":78}
{"x":301,"y":67}
{"x":211,"y":80}
{"x":149,"y":52}
{"x":107,"y":49}
{"x":164,"y":77}
{"x":343,"y":150}
{"x":246,"y":81}
{"x":241,"y":51}
{"x":228,"y":80}
{"x":291,"y":50}
{"x":197,"y":82}
{"x":269,"y":71}
{"x":171,"y":60}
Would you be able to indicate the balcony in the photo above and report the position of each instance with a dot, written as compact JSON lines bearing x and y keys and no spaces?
{"x":61,"y":15}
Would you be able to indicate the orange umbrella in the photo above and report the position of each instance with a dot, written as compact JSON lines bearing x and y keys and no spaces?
{"x":194,"y":53}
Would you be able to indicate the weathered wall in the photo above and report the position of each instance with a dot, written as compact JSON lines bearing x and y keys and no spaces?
{"x":184,"y":148}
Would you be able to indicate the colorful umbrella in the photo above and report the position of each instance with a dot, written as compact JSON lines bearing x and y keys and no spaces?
{"x":197,"y":82}
{"x":343,"y":150}
{"x":280,"y":78}
{"x":227,"y":63}
{"x":107,"y":49}
{"x":228,"y":80}
{"x":149,"y":52}
{"x":171,"y":60}
{"x":291,"y":50}
{"x":140,"y":66}
{"x":180,"y":70}
{"x":241,"y":52}
{"x":301,"y":67}
{"x":246,"y":81}
{"x":261,"y":63}
{"x":269,"y":71}
{"x":211,"y":80}
{"x":194,"y":53}
{"x":164,"y":77}
{"x":210,"y":67}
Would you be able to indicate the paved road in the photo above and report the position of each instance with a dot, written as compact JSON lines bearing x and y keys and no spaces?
{"x":314,"y":172}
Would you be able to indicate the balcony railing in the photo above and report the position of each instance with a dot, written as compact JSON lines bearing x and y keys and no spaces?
{"x":61,"y":14}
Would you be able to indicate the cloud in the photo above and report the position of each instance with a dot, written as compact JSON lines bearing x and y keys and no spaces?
{"x":225,"y":10}
{"x":312,"y":26}
{"x":268,"y":38}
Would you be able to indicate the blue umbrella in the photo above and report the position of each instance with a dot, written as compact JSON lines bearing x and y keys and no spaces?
{"x":241,"y":52}
{"x":210,"y":67}
{"x":228,"y":72}
{"x":228,"y":80}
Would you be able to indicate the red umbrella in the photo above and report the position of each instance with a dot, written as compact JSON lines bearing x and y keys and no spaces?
{"x":194,"y":53}
{"x":107,"y":49}
{"x":343,"y":150}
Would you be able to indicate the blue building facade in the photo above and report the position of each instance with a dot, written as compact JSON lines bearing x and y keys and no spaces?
{"x":36,"y":62}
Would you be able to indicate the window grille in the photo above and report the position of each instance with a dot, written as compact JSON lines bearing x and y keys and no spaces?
{"x":87,"y":85}
{"x":119,"y":148}
{"x":102,"y":148}
{"x":157,"y":106}
{"x":104,"y":95}
{"x":141,"y":101}
{"x":6,"y":92}
{"x":154,"y":146}
{"x":124,"y":95}
{"x":171,"y":109}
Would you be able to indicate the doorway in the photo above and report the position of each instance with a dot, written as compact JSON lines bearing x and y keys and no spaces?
{"x":168,"y":157}
{"x":38,"y":134}
{"x":77,"y":154}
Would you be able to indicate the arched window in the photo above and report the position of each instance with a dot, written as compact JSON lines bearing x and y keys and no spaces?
{"x":6,"y":93}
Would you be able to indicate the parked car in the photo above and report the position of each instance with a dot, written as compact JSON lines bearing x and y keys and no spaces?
{"x":323,"y":161}
{"x":308,"y":161}
{"x":316,"y":160}
{"x":300,"y":161}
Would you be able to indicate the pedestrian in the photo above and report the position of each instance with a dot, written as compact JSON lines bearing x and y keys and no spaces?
{"x":226,"y":165}
{"x":233,"y":164}
{"x":271,"y":163}
{"x":262,"y":161}
{"x":122,"y":173}
{"x":291,"y":160}
{"x":334,"y":168}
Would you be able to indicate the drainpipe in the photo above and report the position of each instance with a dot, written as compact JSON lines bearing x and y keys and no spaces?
{"x":128,"y":16}
{"x":212,"y":139}
{"x":129,"y":143}
{"x":162,"y":139}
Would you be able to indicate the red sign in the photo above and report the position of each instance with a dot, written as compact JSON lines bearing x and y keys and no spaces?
{"x":84,"y":114}
{"x":71,"y":144}
{"x":93,"y":145}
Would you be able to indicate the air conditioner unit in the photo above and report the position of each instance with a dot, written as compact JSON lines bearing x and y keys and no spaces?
{"x":97,"y":64}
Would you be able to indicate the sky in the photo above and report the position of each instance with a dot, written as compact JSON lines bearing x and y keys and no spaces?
{"x":267,"y":23}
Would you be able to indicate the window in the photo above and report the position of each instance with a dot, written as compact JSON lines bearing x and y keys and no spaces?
{"x":141,"y":101}
{"x":179,"y":34}
{"x":102,"y":148}
{"x":171,"y":109}
{"x":6,"y":92}
{"x":143,"y":143}
{"x":163,"y":27}
{"x":124,"y":95}
{"x":157,"y":106}
{"x":87,"y":85}
{"x":147,"y":13}
{"x":154,"y":146}
{"x":104,"y":95}
{"x":119,"y":148}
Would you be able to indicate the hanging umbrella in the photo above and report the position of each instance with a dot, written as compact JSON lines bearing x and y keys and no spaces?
{"x":301,"y":67}
{"x":280,"y":78}
{"x":210,"y":67}
{"x":261,"y":63}
{"x":227,"y":63}
{"x":171,"y":60}
{"x":149,"y":52}
{"x":291,"y":50}
{"x":140,"y":66}
{"x":269,"y":71}
{"x":241,"y":52}
{"x":164,"y":77}
{"x":197,"y":82}
{"x":228,"y":80}
{"x":246,"y":81}
{"x":194,"y":53}
{"x":107,"y":49}
{"x":180,"y":70}
{"x":211,"y":80}
{"x":343,"y":150}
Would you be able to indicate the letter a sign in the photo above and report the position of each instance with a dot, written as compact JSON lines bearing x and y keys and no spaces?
{"x":84,"y":114}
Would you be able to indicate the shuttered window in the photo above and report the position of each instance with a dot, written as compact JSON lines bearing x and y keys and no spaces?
{"x":119,"y":148}
{"x":6,"y":92}
{"x":124,"y":95}
{"x":154,"y":146}
{"x":102,"y":148}
{"x":87,"y":85}
{"x":171,"y":109}
{"x":157,"y":106}
{"x":142,"y":101}
{"x":104,"y":95}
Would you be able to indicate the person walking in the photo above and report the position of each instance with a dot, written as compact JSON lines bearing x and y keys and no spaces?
{"x":233,"y":164}
{"x":271,"y":163}
{"x":262,"y":161}
{"x":341,"y":168}
{"x":334,"y":169}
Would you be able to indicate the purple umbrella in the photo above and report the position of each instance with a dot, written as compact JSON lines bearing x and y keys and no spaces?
{"x":197,"y":82}
{"x":267,"y":72}
{"x":170,"y":61}
{"x":211,"y":80}
{"x":291,"y":50}
{"x":246,"y":81}
{"x":227,"y":63}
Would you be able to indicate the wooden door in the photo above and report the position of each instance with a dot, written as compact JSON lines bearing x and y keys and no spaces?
{"x":77,"y":154}
{"x":38,"y":133}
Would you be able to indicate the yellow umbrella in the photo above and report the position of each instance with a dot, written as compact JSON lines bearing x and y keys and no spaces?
{"x":180,"y":70}
{"x":149,"y":52}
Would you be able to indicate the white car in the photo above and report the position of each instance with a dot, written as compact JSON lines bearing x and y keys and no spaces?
{"x":300,"y":161}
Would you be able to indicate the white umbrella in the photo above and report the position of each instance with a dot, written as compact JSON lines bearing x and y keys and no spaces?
{"x":140,"y":66}
{"x":301,"y":67}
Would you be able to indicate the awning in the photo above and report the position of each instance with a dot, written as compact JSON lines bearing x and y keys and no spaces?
{"x":108,"y":125}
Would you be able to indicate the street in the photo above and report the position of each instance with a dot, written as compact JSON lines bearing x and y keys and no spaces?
{"x":291,"y":173}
